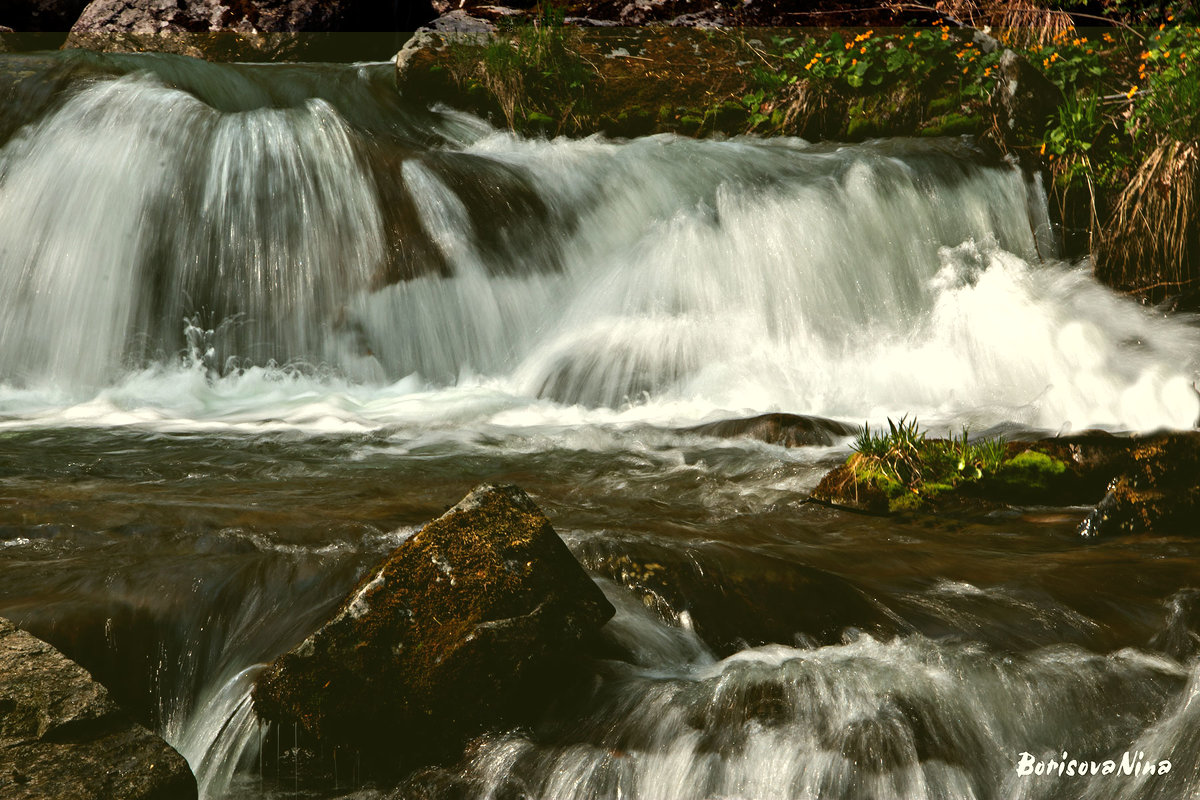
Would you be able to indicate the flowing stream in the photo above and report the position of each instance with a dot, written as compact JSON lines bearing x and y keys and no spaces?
{"x":259,"y":323}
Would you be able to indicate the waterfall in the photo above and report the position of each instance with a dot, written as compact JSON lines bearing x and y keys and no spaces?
{"x":884,"y":278}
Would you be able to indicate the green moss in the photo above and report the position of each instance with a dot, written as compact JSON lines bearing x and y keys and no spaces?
{"x":1031,"y":470}
{"x":952,"y":125}
{"x":906,"y":501}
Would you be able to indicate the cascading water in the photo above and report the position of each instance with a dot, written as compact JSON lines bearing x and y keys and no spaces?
{"x":258,"y":322}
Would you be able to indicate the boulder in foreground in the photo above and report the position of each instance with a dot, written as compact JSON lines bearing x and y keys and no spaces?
{"x":467,"y":626}
{"x":62,"y":736}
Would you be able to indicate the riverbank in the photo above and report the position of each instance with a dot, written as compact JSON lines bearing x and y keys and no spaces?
{"x":1107,"y":116}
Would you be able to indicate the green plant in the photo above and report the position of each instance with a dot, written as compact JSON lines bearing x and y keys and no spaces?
{"x":533,"y":68}
{"x":910,"y":469}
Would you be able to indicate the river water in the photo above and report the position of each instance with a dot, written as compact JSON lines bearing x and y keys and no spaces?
{"x":259,"y":323}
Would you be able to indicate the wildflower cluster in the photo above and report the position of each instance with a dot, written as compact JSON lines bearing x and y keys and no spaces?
{"x":1166,"y":96}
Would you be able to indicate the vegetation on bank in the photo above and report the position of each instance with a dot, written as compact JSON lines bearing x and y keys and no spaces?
{"x":1115,"y":122}
{"x":905,"y":470}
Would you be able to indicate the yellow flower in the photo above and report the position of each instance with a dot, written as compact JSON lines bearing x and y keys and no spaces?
{"x":1132,"y":91}
{"x":945,"y":36}
{"x":1043,"y":150}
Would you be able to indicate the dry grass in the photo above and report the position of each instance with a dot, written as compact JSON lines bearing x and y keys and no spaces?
{"x":1155,"y":221}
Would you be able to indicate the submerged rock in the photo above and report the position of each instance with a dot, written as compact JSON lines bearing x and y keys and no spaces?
{"x":62,"y":736}
{"x":469,"y":625}
{"x":788,"y":430}
{"x":735,"y":597}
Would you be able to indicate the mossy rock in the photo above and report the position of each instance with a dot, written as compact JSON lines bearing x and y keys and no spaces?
{"x":953,"y":124}
{"x":1143,"y":484}
{"x":468,"y":626}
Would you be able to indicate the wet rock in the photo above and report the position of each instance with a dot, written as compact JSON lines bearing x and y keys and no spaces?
{"x":472,"y":624}
{"x":787,"y":430}
{"x":1157,"y":492}
{"x":734,"y":597}
{"x":62,"y":736}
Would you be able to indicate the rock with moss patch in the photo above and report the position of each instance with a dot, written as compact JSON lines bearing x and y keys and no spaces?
{"x":62,"y":736}
{"x":470,"y":625}
{"x":1144,"y":484}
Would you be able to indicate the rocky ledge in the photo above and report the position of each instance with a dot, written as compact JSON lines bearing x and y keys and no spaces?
{"x":472,"y":624}
{"x":62,"y":736}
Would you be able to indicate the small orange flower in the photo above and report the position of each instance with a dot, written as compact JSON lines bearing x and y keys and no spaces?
{"x":1132,"y":91}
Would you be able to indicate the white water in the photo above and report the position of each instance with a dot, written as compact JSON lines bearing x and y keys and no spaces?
{"x":698,"y":280}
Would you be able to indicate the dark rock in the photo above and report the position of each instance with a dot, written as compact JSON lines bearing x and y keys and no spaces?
{"x":1157,"y":492}
{"x":1024,"y":99}
{"x":788,"y":430}
{"x":62,"y":736}
{"x":467,"y":626}
{"x":735,"y":597}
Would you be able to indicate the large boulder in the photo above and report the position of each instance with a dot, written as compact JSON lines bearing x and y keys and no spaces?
{"x":62,"y":736}
{"x":468,"y":626}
